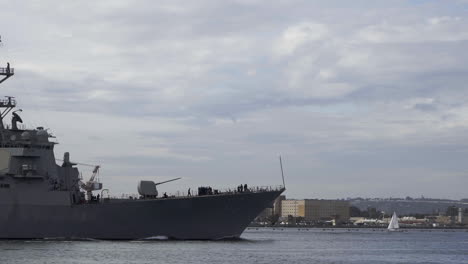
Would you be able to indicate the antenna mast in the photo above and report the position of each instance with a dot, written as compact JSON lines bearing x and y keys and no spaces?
{"x":6,"y":72}
{"x":9,"y":103}
{"x":282,"y":173}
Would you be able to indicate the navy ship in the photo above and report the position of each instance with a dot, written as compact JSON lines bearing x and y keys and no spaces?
{"x":42,"y":198}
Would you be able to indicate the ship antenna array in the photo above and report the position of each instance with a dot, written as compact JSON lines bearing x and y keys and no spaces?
{"x":9,"y":103}
{"x":282,"y":173}
{"x":6,"y":72}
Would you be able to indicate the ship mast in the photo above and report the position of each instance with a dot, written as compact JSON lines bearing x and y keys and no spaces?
{"x":6,"y":105}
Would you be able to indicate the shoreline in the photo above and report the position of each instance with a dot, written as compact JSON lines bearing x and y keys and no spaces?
{"x":355,"y":227}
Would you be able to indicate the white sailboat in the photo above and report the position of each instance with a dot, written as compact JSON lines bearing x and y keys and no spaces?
{"x":393,"y":225}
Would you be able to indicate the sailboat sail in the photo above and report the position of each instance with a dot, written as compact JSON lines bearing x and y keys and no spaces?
{"x":393,"y":222}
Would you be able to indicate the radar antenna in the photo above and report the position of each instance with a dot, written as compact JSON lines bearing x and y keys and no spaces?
{"x":16,"y":119}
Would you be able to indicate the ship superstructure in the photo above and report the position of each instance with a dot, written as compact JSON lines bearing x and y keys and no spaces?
{"x":42,"y":199}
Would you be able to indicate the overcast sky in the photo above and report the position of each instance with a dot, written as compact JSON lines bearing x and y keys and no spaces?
{"x":361,"y":98}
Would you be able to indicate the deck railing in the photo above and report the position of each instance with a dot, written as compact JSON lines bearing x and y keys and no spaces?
{"x":194,"y":193}
{"x":7,"y":71}
{"x":9,"y":102}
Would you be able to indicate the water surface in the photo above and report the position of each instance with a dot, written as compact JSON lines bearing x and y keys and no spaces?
{"x":262,"y":245}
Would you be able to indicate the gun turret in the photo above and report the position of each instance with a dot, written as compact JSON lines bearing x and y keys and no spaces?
{"x":148,"y":189}
{"x":168,"y":181}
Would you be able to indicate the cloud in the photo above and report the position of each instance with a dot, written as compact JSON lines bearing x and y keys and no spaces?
{"x":294,"y":37}
{"x":434,"y":29}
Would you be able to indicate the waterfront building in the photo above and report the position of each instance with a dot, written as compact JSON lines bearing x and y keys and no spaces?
{"x":323,"y":209}
{"x":292,"y":208}
{"x":443,"y":220}
{"x":315,"y":210}
{"x":462,"y":218}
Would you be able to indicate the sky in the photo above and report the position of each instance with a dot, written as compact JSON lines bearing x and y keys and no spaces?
{"x":360,"y":98}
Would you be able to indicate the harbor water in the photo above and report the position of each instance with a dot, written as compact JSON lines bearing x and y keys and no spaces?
{"x":258,"y":245}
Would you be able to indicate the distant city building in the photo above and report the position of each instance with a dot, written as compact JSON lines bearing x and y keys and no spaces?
{"x":313,"y":210}
{"x":443,"y":220}
{"x":321,"y":209}
{"x":292,"y":207}
{"x":408,"y":206}
{"x":462,"y":217}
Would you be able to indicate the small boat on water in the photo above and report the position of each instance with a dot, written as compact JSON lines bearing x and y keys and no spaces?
{"x":393,"y":225}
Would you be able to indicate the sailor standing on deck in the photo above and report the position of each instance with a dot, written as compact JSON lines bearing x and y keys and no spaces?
{"x":8,"y":68}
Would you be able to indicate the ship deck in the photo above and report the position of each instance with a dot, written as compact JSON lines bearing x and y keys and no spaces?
{"x":180,"y":195}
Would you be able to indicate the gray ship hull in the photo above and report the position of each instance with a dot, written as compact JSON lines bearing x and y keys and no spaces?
{"x":199,"y":217}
